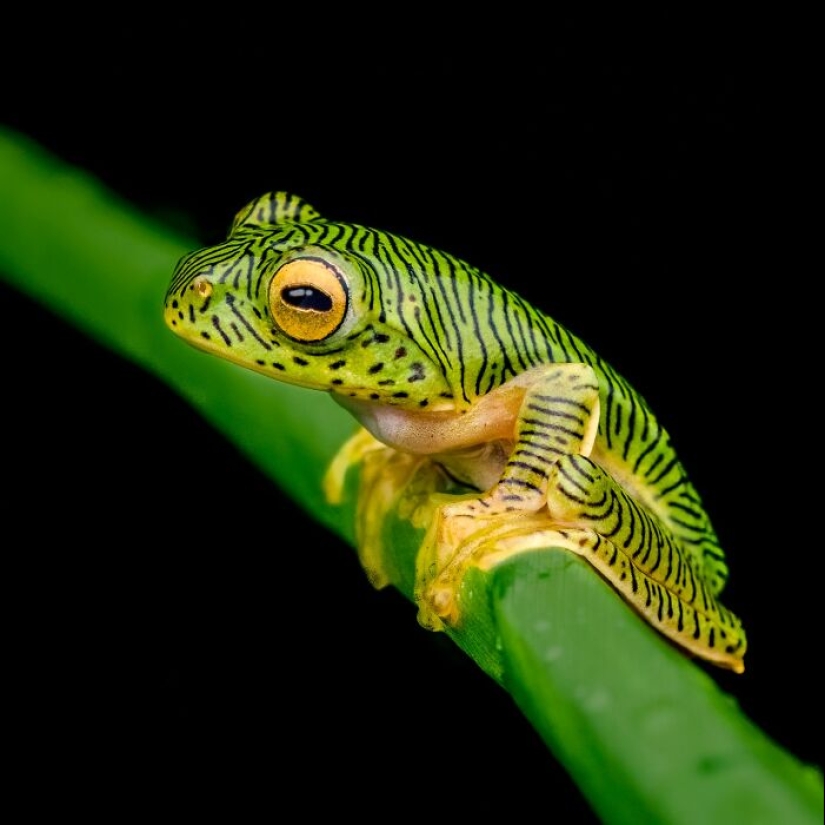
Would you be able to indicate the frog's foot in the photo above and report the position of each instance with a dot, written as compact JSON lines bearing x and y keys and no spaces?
{"x":473,"y":532}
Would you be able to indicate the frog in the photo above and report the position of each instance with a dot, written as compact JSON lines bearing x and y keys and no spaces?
{"x":444,"y":367}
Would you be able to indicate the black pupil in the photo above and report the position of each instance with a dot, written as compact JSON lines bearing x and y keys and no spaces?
{"x":305,"y":297}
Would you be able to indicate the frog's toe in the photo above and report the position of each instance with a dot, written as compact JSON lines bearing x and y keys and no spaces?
{"x":376,"y":576}
{"x":428,"y":617}
{"x":438,"y":600}
{"x":444,"y":603}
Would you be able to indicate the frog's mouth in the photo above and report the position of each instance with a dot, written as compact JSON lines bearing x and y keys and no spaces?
{"x":372,"y":364}
{"x":205,"y":338}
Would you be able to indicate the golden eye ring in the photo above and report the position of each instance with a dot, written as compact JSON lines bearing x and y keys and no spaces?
{"x":308,"y":299}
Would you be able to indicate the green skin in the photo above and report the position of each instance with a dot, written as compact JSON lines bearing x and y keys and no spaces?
{"x":434,"y":358}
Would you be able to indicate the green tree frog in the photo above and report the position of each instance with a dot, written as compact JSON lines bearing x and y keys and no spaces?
{"x":437,"y":360}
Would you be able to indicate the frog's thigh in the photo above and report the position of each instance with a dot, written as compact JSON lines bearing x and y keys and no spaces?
{"x":642,"y":560}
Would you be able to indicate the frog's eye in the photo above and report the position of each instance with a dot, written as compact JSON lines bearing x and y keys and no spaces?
{"x":308,"y":299}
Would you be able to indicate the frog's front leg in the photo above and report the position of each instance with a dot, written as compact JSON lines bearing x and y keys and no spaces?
{"x":385,"y":474}
{"x":558,"y":416}
{"x":390,"y":481}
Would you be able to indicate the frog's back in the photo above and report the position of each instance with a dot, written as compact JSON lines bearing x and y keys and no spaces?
{"x":482,"y":335}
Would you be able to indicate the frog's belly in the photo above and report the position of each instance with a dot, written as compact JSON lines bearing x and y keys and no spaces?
{"x":490,"y":419}
{"x":473,"y":445}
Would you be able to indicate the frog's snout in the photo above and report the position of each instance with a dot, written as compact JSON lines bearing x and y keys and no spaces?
{"x":173,"y":314}
{"x":177,"y":308}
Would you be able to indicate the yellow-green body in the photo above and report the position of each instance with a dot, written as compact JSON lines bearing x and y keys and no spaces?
{"x":436,"y":359}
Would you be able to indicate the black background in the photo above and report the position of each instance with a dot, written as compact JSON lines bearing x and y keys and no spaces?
{"x":632,"y":192}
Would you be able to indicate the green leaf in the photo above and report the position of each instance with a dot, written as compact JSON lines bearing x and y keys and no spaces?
{"x":645,"y":733}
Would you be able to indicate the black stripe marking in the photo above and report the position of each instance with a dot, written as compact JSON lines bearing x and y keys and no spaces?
{"x":231,"y":303}
{"x":217,"y":325}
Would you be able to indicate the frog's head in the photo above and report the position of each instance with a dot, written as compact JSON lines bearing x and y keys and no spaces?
{"x":291,"y":295}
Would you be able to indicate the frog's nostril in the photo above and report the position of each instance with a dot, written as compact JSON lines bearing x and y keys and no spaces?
{"x":203,"y":286}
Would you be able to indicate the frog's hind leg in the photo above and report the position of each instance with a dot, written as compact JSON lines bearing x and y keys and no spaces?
{"x":640,"y":557}
{"x":590,"y":514}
